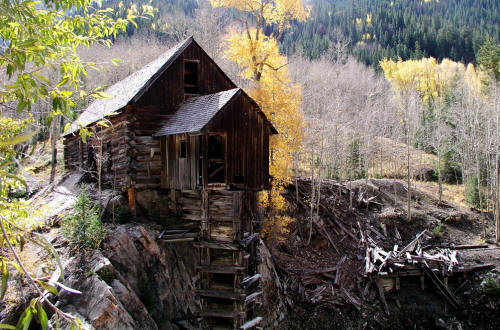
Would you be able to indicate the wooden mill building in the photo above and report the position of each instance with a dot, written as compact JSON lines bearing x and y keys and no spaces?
{"x":181,"y":127}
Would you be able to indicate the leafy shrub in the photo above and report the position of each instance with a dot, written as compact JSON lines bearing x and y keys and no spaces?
{"x":437,"y":231}
{"x":83,"y":228}
{"x":490,"y":285}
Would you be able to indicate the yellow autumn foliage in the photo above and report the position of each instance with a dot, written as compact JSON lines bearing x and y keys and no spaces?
{"x":261,"y":63}
{"x":429,"y":77}
{"x":279,"y":12}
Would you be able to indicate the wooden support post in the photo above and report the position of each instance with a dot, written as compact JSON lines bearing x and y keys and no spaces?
{"x":131,"y":200}
{"x":422,"y":282}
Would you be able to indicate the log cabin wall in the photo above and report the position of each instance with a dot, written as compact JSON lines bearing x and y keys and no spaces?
{"x":109,"y":144}
{"x":142,"y":169}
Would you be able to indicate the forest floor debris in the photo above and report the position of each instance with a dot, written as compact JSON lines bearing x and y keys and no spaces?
{"x":364,"y":256}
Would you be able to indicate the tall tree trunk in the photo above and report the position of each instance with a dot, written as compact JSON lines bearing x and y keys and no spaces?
{"x":497,"y":212}
{"x":439,"y":175}
{"x":311,"y":216}
{"x":408,"y":168}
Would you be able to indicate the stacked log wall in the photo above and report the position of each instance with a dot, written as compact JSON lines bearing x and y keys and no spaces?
{"x":115,"y":143}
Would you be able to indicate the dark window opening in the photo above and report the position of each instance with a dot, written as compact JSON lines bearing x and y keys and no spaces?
{"x":190,"y":77}
{"x":182,"y":149}
{"x":216,"y":166}
{"x":91,"y":159}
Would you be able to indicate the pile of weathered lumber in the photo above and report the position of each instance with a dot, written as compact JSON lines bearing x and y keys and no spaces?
{"x":378,"y":261}
{"x":338,"y":251}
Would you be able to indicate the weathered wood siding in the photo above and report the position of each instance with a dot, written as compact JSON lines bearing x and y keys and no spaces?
{"x":168,"y":90}
{"x":111,"y":144}
{"x":247,"y":137}
{"x":153,"y":108}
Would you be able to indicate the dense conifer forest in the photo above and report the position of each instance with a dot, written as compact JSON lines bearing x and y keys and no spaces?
{"x":372,"y":29}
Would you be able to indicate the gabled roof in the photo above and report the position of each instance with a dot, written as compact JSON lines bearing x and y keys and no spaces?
{"x":129,"y":89}
{"x":196,"y":112}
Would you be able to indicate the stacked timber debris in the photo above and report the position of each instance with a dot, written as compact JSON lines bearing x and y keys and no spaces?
{"x":383,"y":262}
{"x":340,"y":253}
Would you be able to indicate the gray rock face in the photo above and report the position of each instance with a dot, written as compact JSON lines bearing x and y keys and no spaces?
{"x":97,"y":304}
{"x":273,"y":309}
{"x":133,"y":284}
{"x":155,"y":274}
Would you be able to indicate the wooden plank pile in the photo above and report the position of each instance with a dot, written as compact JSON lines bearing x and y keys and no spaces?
{"x":381,"y":262}
{"x":351,"y":259}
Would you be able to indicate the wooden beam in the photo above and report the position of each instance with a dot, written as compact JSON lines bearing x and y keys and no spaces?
{"x":445,"y":292}
{"x":222,"y":313}
{"x":177,"y":240}
{"x":247,"y":281}
{"x":217,"y":245}
{"x":252,"y":297}
{"x":251,"y":323}
{"x":220,"y":269}
{"x":224,"y":294}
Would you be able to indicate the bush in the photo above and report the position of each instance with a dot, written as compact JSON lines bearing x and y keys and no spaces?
{"x":490,"y":285}
{"x":473,"y":196}
{"x":438,"y":233}
{"x":83,"y":228}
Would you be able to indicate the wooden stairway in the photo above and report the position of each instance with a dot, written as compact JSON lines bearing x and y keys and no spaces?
{"x":229,"y":289}
{"x":222,"y":230}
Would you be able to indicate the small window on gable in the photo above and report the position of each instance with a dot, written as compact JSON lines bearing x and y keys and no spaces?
{"x":191,"y":77}
{"x":182,"y":149}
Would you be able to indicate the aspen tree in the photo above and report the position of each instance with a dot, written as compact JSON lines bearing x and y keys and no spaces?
{"x":261,"y":63}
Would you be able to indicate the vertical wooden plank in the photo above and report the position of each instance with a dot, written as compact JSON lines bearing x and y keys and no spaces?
{"x":226,"y":165}
{"x":163,"y":154}
{"x":249,"y":132}
{"x":187,"y":163}
{"x":265,"y":156}
{"x":204,"y":151}
{"x":237,"y":208}
{"x":192,"y":161}
{"x":204,"y":214}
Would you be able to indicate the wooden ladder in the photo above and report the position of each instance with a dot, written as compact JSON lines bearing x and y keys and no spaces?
{"x":229,"y":286}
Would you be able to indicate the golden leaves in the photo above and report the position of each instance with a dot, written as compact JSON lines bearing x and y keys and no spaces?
{"x":278,"y":12}
{"x":427,"y":76}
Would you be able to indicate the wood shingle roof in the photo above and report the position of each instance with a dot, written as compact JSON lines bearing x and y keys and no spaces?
{"x":129,"y":89}
{"x":196,"y":112}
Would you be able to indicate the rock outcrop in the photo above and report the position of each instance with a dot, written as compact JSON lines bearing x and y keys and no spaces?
{"x":133,"y":284}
